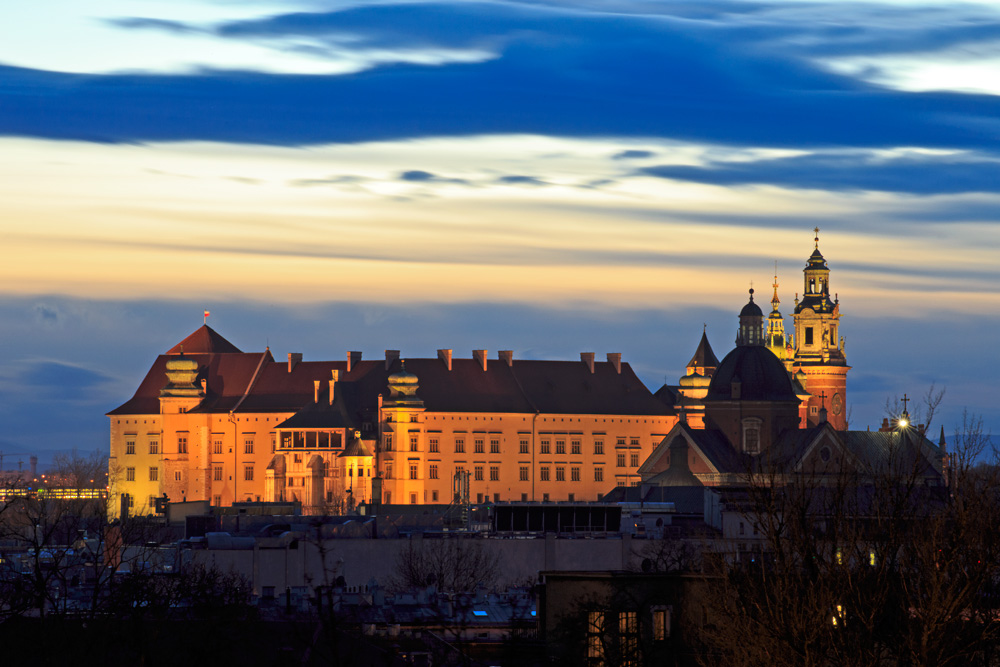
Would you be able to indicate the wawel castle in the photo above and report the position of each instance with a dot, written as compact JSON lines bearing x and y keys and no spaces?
{"x":211,"y":422}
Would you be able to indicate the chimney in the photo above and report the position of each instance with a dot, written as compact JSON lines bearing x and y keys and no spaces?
{"x":445,"y":356}
{"x":335,"y":377}
{"x":390,"y":356}
{"x":293,"y":359}
{"x":616,"y":359}
{"x":588,"y":358}
{"x":316,"y":384}
{"x":353,"y":359}
{"x":506,"y":356}
{"x":480,"y":356}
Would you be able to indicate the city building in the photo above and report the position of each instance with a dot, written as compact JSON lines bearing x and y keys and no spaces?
{"x":211,"y":422}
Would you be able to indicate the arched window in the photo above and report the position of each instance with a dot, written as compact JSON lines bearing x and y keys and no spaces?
{"x":751,"y":435}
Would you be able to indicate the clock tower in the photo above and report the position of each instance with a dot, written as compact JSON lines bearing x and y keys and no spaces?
{"x":819,"y":347}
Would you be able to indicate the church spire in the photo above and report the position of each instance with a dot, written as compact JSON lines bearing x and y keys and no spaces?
{"x":775,"y":339}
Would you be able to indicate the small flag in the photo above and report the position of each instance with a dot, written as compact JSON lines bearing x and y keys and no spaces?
{"x":207,"y":313}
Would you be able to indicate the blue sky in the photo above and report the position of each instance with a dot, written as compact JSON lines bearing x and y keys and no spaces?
{"x":547,"y":177}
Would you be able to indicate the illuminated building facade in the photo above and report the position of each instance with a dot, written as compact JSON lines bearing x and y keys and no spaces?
{"x":210,"y":422}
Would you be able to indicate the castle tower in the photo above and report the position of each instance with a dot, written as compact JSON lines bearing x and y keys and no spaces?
{"x":819,"y":347}
{"x":694,"y":385}
{"x":775,"y":339}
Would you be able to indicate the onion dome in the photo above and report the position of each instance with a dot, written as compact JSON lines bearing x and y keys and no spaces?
{"x":403,"y":387}
{"x":181,"y":375}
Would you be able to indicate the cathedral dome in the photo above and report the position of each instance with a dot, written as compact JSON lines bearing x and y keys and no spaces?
{"x":759,"y":374}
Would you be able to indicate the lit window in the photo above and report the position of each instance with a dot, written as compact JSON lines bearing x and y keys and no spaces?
{"x":595,"y":636}
{"x":661,"y":623}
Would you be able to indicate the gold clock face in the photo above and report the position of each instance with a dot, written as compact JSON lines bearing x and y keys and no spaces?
{"x":838,"y":404}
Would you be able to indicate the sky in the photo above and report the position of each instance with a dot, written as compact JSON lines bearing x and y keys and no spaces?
{"x":548,"y":177}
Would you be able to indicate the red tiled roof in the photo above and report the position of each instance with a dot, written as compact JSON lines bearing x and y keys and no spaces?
{"x":205,"y":340}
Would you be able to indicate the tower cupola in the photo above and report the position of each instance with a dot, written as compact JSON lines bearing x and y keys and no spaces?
{"x":751,"y":330}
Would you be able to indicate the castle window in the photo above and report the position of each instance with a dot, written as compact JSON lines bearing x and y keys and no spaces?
{"x":480,"y":445}
{"x":494,"y":445}
{"x":494,"y":473}
{"x":130,"y":446}
{"x":217,"y":474}
{"x":388,"y":470}
{"x":524,"y":446}
{"x":751,"y":435}
{"x":248,"y":473}
{"x":388,"y":442}
{"x":598,"y":446}
{"x":182,"y":444}
{"x":634,"y":459}
{"x":524,"y":473}
{"x":247,"y":444}
{"x":574,"y":474}
{"x":413,"y":471}
{"x":154,"y":446}
{"x":433,"y":445}
{"x":479,"y":473}
{"x":809,"y":335}
{"x":560,"y":446}
{"x":544,"y":447}
{"x":621,"y":459}
{"x":177,"y":475}
{"x":575,"y":447}
{"x":543,"y":474}
{"x":432,"y":472}
{"x":154,"y":474}
{"x":413,"y":443}
{"x":598,"y":474}
{"x":560,"y":474}
{"x":129,"y":474}
{"x":459,"y":445}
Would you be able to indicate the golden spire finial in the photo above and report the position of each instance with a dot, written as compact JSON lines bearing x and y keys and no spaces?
{"x":816,"y":229}
{"x":774,"y":299}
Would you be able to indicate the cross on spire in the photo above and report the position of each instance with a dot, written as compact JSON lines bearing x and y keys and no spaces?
{"x":905,"y":401}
